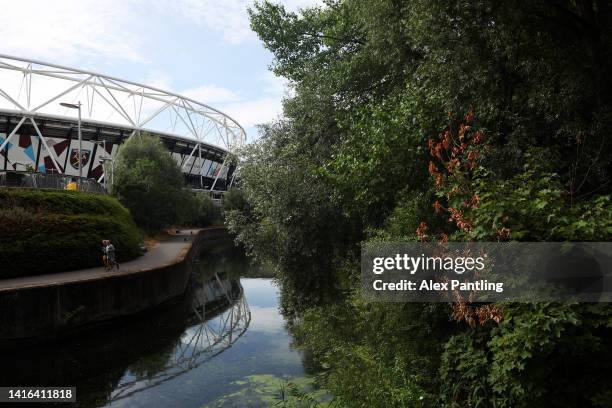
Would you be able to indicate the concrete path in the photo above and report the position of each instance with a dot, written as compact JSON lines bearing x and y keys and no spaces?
{"x":166,"y":252}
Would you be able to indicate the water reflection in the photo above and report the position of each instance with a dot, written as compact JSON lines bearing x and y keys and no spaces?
{"x":210,"y":348}
{"x":223,"y":313}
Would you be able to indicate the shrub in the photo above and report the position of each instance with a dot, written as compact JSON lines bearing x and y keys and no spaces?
{"x":207,"y":212}
{"x":235,"y":200}
{"x":150,"y":183}
{"x":54,"y":231}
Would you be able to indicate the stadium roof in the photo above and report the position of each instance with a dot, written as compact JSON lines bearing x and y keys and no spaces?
{"x":112,"y":107}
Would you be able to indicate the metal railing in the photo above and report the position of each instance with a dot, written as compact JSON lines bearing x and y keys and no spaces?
{"x":215,"y":195}
{"x":44,"y":181}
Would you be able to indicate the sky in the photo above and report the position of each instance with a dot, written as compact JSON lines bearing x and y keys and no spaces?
{"x":202,"y":49}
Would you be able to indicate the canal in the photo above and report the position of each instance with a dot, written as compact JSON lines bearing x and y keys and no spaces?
{"x":224,"y":344}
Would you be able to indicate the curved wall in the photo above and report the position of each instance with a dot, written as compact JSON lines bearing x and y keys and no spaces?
{"x":53,"y":309}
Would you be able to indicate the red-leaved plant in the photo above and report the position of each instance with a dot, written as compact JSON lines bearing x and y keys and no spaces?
{"x":455,"y":157}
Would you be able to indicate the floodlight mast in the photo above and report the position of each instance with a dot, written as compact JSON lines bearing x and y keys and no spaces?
{"x":80,"y":162}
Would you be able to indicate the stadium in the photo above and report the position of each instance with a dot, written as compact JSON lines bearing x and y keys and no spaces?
{"x":42,"y":105}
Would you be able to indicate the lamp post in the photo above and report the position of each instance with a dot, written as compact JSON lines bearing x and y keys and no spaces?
{"x":77,"y":106}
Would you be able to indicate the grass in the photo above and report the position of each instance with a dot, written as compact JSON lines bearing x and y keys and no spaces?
{"x":54,"y":231}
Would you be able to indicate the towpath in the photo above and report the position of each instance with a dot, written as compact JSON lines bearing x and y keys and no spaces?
{"x":168,"y":251}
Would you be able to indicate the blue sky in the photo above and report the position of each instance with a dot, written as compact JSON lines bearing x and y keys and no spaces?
{"x":203,"y":49}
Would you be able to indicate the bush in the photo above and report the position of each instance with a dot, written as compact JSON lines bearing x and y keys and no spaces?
{"x":203,"y":212}
{"x":150,"y":183}
{"x":54,"y":231}
{"x":235,"y":200}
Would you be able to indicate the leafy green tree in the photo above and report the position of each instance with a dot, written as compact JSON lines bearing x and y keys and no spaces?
{"x":204,"y":212}
{"x":291,"y":219}
{"x":373,"y":81}
{"x":149,"y":183}
{"x":234,"y":199}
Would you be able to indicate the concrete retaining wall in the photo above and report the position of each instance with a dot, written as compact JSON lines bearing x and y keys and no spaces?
{"x":49,"y":311}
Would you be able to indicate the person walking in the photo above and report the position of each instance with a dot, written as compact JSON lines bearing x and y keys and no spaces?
{"x":110,"y":254}
{"x":104,"y":257}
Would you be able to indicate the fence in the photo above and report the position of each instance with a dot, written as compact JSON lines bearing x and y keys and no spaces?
{"x":215,"y":195}
{"x":43,"y":181}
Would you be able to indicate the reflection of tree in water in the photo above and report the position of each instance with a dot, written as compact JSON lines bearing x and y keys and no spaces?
{"x":223,"y":258}
{"x":231,"y":260}
{"x":148,"y":366}
{"x":220,"y":316}
{"x":290,"y":311}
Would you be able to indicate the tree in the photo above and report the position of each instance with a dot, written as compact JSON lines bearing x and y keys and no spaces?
{"x":377,"y":85}
{"x":234,"y":199}
{"x":202,"y":211}
{"x":149,"y":183}
{"x":290,"y":217}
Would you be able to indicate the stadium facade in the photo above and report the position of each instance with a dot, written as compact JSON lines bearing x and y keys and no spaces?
{"x":39,"y":134}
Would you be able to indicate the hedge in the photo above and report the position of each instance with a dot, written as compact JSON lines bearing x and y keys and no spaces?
{"x":55,"y":231}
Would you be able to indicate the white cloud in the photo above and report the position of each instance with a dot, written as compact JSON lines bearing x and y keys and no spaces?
{"x":264,"y":109}
{"x":266,"y":319}
{"x":273,"y":84}
{"x":247,"y":111}
{"x":158,"y":79}
{"x":85,"y":32}
{"x":228,"y":16}
{"x":254,"y":112}
{"x":211,"y":94}
{"x":65,"y":31}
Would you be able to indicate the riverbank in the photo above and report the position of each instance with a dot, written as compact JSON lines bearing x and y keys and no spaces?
{"x":51,"y":305}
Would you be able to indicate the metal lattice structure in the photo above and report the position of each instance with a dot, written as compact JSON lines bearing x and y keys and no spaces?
{"x":112,"y":111}
{"x":221,"y":315}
